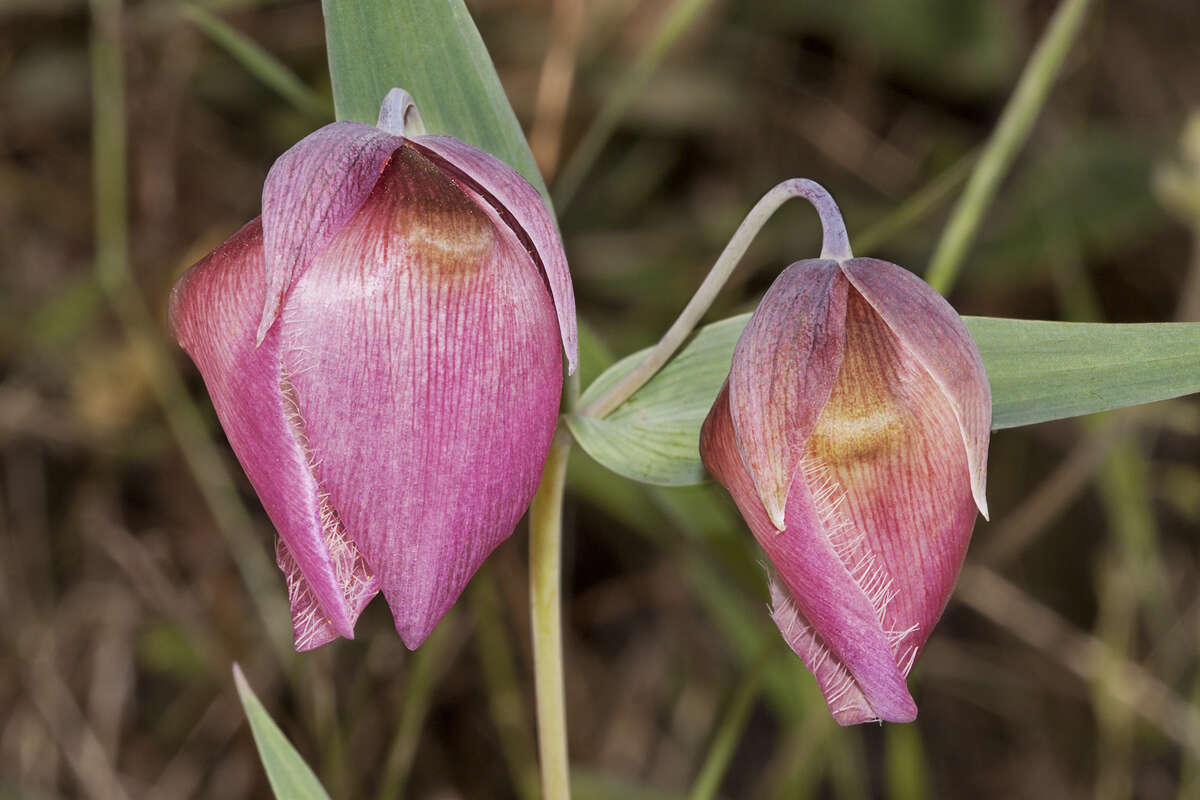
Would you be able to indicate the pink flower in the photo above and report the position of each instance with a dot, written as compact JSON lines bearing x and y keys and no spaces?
{"x":852,"y":432}
{"x":382,"y":349}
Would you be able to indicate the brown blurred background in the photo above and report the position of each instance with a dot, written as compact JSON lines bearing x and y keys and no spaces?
{"x":135,"y":563}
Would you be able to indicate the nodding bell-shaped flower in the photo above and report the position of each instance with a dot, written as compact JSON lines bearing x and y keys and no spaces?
{"x":852,"y":432}
{"x":382,"y":349}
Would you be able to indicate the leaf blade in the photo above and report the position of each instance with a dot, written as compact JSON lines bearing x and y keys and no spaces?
{"x":1039,"y":371}
{"x":660,"y":425}
{"x":289,"y":776}
{"x":434,"y":51}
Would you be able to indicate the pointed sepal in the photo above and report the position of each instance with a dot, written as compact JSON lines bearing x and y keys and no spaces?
{"x":310,"y":192}
{"x":784,"y":366}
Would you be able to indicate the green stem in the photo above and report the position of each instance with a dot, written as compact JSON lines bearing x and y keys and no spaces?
{"x":545,"y":555}
{"x":720,"y":752}
{"x":835,"y":244}
{"x":1006,"y":140}
{"x":916,"y":207}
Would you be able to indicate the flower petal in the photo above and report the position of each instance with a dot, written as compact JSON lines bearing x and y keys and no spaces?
{"x":889,"y":458}
{"x":933,"y":333}
{"x":845,"y":698}
{"x":310,"y":625}
{"x":310,"y":192}
{"x":214,"y":309}
{"x":524,"y":210}
{"x":811,"y":564}
{"x":424,"y":352}
{"x":783,"y":368}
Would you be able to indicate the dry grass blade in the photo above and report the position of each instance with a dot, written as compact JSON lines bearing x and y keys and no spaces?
{"x":1087,"y":657}
{"x":115,"y":277}
{"x":554,"y":85}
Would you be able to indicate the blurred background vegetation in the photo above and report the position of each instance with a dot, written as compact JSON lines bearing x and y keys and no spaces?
{"x":135,"y":562}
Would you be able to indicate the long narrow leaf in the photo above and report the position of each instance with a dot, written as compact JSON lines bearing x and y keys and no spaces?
{"x":1038,"y":371}
{"x":434,"y":51}
{"x":1050,"y":370}
{"x":289,"y":776}
{"x":654,"y":436}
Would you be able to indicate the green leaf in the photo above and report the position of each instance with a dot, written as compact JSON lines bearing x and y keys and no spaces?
{"x":434,"y":51}
{"x":1051,"y":370}
{"x":1038,"y":371}
{"x":290,"y":777}
{"x":653,"y":436}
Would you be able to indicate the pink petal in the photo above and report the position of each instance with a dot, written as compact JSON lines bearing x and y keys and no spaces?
{"x":932,"y":332}
{"x":424,"y":351}
{"x":310,"y":192}
{"x":214,"y":310}
{"x":846,"y":700}
{"x":888,"y":454}
{"x":309,"y":625}
{"x":822,"y":574}
{"x":308,"y":629}
{"x":522,"y":208}
{"x":783,"y":369}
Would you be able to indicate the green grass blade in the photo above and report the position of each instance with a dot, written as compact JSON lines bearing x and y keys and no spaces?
{"x":728,"y":735}
{"x":290,"y":777}
{"x":1038,"y":371}
{"x":1006,"y":141}
{"x":426,"y":667}
{"x":434,"y":51}
{"x":259,"y":63}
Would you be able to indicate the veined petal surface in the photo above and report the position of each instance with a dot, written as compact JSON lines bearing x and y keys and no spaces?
{"x":513,"y":196}
{"x":423,"y":347}
{"x":310,"y":192}
{"x":825,"y":597}
{"x":214,"y":311}
{"x":879,"y":507}
{"x":931,"y":331}
{"x":783,"y":369}
{"x":889,"y":450}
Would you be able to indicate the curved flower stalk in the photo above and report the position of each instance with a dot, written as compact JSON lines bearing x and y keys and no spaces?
{"x":852,"y":432}
{"x":382,"y":350}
